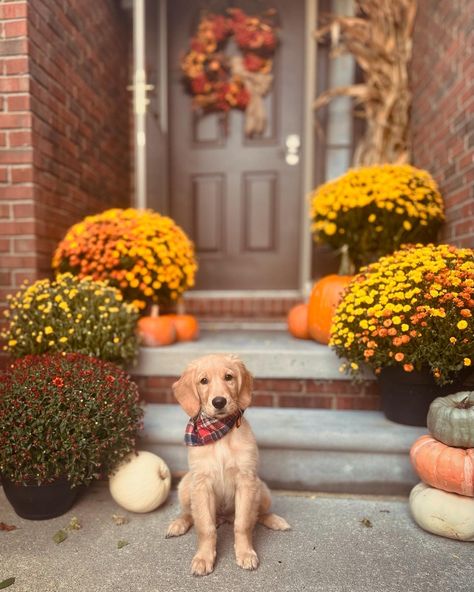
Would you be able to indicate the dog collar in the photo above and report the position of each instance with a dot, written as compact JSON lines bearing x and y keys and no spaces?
{"x":202,"y":429}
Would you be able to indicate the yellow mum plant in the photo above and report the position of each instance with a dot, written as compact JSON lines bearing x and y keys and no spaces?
{"x":71,"y":315}
{"x":413,"y":309}
{"x":375,"y":209}
{"x":146,"y":255}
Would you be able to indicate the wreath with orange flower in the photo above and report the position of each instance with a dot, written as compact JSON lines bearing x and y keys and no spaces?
{"x":219,"y":82}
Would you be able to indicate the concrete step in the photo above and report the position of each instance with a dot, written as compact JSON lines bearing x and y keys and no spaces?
{"x":316,"y":450}
{"x":268,"y":352}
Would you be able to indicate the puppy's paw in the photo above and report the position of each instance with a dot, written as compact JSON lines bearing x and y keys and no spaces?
{"x":247,"y":559}
{"x":201,"y":565}
{"x":178,"y":527}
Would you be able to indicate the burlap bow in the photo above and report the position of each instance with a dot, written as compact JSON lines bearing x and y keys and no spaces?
{"x":257,"y":84}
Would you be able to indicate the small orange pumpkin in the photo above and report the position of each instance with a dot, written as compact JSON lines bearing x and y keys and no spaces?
{"x":297,"y":321}
{"x":444,"y":467}
{"x":186,"y":326}
{"x":325,"y":296}
{"x":156,"y":330}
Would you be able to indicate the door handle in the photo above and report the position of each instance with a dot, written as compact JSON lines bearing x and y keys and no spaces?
{"x":292,"y":149}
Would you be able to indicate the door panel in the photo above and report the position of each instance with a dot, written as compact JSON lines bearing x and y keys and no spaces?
{"x":208,"y":212}
{"x":260,"y":209}
{"x":236,"y":196}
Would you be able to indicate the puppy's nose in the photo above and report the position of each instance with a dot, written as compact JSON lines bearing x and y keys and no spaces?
{"x":219,"y":402}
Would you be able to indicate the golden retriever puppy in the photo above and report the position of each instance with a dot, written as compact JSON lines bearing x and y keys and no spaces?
{"x":222,"y":480}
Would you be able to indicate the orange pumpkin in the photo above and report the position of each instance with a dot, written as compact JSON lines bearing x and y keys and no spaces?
{"x":297,"y":321}
{"x":156,"y":330}
{"x":325,"y":297}
{"x":186,"y":326}
{"x":444,"y":467}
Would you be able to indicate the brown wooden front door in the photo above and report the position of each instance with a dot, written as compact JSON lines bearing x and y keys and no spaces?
{"x":236,"y":196}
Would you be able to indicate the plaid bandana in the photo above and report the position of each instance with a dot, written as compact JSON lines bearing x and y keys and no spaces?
{"x":202,"y":429}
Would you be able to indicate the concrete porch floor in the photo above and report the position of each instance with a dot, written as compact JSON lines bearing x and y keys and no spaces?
{"x":329,"y":549}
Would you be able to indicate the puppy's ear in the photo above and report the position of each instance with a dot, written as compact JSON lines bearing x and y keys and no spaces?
{"x":186,"y":393}
{"x":245,"y":385}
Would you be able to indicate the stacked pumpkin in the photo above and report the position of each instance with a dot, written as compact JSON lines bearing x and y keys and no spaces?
{"x":156,"y":330}
{"x":444,"y":460}
{"x":313,"y":320}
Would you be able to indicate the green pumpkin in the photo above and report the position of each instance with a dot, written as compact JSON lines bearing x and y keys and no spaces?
{"x":451,"y":419}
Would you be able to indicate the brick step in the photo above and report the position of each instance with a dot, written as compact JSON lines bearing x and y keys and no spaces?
{"x":288,"y":372}
{"x":317,"y":450}
{"x":243,"y":305}
{"x":274,"y":392}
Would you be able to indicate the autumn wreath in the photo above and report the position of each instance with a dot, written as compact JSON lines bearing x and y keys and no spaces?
{"x":219,"y":82}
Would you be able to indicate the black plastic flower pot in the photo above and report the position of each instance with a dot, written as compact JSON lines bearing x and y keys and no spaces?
{"x":406,"y":396}
{"x":40,"y":502}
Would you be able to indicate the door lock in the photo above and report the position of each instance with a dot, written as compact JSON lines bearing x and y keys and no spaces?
{"x":292,"y":149}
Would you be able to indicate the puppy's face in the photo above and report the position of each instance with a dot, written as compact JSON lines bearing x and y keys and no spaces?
{"x":217,"y":385}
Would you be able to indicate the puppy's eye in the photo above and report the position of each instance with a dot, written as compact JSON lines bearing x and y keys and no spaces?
{"x":204,"y":380}
{"x":228,"y":377}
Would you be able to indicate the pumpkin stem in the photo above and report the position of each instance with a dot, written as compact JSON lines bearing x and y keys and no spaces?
{"x":346,"y":267}
{"x":465,"y":403}
{"x":181,"y":307}
{"x":155,"y":310}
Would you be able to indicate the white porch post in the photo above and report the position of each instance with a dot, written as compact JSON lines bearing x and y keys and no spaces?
{"x":308,"y":146}
{"x":140,"y":101}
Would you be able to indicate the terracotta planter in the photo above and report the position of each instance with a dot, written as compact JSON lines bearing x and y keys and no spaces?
{"x":40,"y":502}
{"x":407,"y":396}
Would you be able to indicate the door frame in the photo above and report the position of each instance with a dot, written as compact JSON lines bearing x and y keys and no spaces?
{"x":140,"y":88}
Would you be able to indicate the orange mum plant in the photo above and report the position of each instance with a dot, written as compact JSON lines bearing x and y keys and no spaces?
{"x":147,"y":255}
{"x":413,"y":309}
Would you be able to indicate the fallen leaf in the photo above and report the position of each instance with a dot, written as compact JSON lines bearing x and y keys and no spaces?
{"x":7,"y":527}
{"x":119,"y":520}
{"x":122,"y":544}
{"x":7,"y":583}
{"x":366,"y":522}
{"x":60,"y":536}
{"x":74,"y":524}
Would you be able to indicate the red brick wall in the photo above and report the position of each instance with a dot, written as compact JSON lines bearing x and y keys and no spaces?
{"x":443,"y":108}
{"x":79,"y":75}
{"x":272,"y":308}
{"x":64,"y":125}
{"x":315,"y":394}
{"x":18,"y":258}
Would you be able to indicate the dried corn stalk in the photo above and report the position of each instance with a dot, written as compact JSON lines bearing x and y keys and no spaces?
{"x":381,"y":42}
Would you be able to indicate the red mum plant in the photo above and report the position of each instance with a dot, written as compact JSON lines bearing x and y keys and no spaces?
{"x":65,"y":415}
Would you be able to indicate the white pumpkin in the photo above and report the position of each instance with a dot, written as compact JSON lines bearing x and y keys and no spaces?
{"x":141,"y":483}
{"x":442,"y":513}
